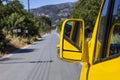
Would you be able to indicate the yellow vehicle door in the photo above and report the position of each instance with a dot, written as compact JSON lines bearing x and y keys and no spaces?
{"x":106,"y":60}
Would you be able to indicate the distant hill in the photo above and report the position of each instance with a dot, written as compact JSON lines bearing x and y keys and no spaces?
{"x":54,"y":12}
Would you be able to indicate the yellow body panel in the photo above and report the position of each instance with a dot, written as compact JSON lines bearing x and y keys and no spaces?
{"x":69,"y":50}
{"x":69,"y":46}
{"x":84,"y":71}
{"x":107,"y":70}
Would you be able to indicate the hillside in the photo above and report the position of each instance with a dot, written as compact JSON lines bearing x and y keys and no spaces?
{"x":54,"y":12}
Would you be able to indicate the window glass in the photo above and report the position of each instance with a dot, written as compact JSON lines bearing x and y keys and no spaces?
{"x":101,"y":32}
{"x":116,"y":12}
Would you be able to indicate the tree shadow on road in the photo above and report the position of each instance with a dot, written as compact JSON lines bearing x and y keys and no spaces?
{"x":9,"y":59}
{"x":23,"y":51}
{"x":19,"y":62}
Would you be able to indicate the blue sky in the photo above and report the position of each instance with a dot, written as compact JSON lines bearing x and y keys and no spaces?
{"x":38,"y":3}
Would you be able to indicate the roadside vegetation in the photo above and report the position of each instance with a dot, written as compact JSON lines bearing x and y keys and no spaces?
{"x":86,"y":10}
{"x":18,"y":27}
{"x":59,"y":25}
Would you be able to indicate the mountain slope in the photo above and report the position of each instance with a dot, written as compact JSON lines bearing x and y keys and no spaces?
{"x":54,"y":11}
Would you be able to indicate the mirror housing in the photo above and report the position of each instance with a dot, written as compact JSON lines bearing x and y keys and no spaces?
{"x":114,"y":40}
{"x":72,"y":43}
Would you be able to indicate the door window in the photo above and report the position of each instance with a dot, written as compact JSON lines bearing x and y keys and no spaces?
{"x":110,"y":15}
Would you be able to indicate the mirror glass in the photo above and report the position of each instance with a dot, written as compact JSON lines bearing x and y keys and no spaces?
{"x":72,"y":32}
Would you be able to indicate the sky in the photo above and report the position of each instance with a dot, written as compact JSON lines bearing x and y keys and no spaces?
{"x":39,"y":3}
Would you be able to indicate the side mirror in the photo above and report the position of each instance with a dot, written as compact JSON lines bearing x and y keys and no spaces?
{"x":72,"y":40}
{"x":114,"y":41}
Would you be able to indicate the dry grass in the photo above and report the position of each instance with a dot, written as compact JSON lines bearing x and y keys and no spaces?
{"x":15,"y":43}
{"x":18,"y":42}
{"x":2,"y":54}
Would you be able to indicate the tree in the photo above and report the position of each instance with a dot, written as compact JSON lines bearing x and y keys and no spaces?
{"x":13,"y":16}
{"x":88,"y":11}
{"x":45,"y":24}
{"x":2,"y":36}
{"x":58,"y":24}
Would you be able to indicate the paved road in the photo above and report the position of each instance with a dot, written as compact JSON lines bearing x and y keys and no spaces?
{"x":38,"y":62}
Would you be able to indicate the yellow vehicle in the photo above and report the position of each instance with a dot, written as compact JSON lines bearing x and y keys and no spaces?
{"x":101,"y":54}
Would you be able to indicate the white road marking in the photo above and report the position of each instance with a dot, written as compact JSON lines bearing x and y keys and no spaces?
{"x":6,"y":56}
{"x":26,"y":46}
{"x":45,"y":35}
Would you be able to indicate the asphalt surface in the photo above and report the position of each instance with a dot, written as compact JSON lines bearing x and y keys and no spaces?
{"x":38,"y":61}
